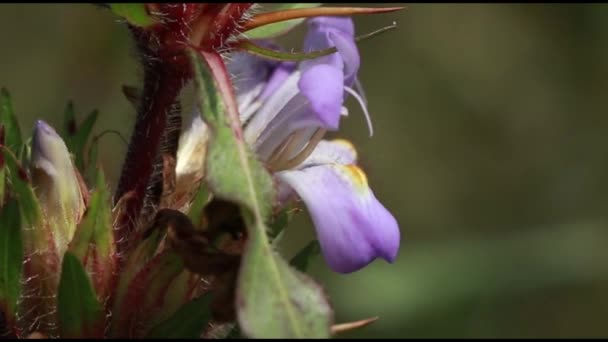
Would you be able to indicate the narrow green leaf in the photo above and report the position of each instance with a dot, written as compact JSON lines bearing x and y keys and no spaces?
{"x":263,"y":52}
{"x":11,"y":258}
{"x":79,"y":140}
{"x":188,"y":322}
{"x":9,"y":121}
{"x":196,"y":208}
{"x":80,"y":313}
{"x":283,"y":56}
{"x":2,"y":170}
{"x":135,"y":14}
{"x":94,"y":236}
{"x":280,"y":28}
{"x":22,"y":189}
{"x":2,"y":183}
{"x":95,"y":227}
{"x":69,"y":123}
{"x":303,"y":258}
{"x":91,"y":169}
{"x":274,"y":301}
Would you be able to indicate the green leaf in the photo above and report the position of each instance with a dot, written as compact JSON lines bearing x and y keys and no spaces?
{"x":271,"y":54}
{"x":9,"y":121}
{"x":135,"y":14}
{"x":91,"y":169}
{"x":279,"y":223}
{"x":283,"y":56}
{"x":77,"y":136}
{"x":28,"y":203}
{"x":195,"y":213}
{"x":80,"y":313}
{"x":93,"y":242}
{"x":302,"y":259}
{"x":274,"y":300}
{"x":11,"y":258}
{"x":2,"y":182}
{"x":280,"y":28}
{"x":188,"y":322}
{"x":69,"y":123}
{"x":2,"y":170}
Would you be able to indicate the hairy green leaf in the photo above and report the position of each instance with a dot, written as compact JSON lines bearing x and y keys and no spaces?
{"x":135,"y":14}
{"x":80,"y":313}
{"x":280,"y":28}
{"x":8,"y":119}
{"x":273,"y":300}
{"x":188,"y":322}
{"x":11,"y":258}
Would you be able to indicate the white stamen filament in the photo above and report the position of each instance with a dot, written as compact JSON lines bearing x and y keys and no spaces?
{"x":282,"y":158}
{"x":363,"y":107}
{"x":359,"y":88}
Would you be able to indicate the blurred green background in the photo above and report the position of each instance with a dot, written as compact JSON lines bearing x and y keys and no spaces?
{"x":490,"y":149}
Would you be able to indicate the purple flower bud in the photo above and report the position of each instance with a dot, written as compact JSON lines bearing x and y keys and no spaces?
{"x":56,"y":184}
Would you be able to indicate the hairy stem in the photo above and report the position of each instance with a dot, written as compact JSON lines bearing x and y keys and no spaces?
{"x":162,"y":85}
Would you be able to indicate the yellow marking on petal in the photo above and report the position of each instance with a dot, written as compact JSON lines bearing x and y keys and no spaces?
{"x":356,"y":175}
{"x":346,"y":144}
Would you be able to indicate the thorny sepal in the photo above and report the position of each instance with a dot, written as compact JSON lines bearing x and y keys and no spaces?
{"x":297,"y":305}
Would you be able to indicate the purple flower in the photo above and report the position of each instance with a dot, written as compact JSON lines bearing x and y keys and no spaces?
{"x":286,"y":109}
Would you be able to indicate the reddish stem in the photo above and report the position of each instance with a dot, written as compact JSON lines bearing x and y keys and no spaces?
{"x":162,"y":84}
{"x":166,"y":71}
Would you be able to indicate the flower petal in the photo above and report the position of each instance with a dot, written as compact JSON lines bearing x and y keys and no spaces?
{"x":352,"y":226}
{"x":271,"y":107}
{"x":55,"y":183}
{"x":249,"y":76}
{"x":338,"y":32}
{"x":323,"y":86}
{"x":338,"y":151}
{"x":191,"y":153}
